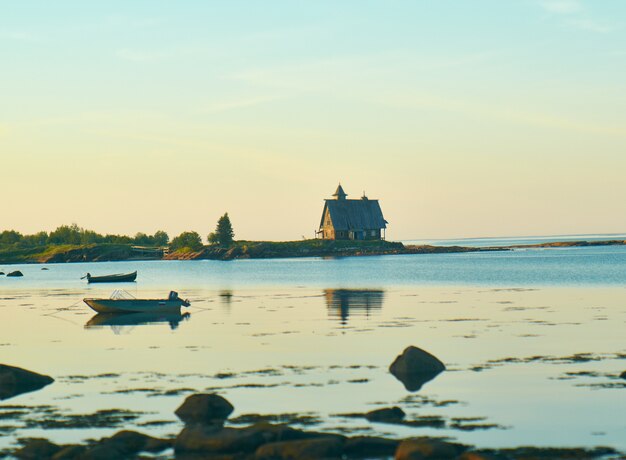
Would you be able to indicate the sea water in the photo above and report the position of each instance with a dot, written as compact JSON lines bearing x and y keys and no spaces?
{"x":533,"y":341}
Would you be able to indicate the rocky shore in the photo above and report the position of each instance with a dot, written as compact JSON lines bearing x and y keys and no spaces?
{"x":208,"y":434}
{"x":205,"y":437}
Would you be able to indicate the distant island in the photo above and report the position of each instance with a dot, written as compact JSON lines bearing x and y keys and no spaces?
{"x":74,"y":244}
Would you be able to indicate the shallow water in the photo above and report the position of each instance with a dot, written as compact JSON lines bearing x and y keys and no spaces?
{"x":316,"y":337}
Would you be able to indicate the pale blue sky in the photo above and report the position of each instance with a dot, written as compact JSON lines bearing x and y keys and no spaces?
{"x":466,"y":118}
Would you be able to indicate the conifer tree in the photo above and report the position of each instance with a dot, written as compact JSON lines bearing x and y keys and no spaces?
{"x":223,"y":234}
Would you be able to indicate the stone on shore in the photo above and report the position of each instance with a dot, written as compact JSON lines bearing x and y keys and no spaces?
{"x":325,"y":447}
{"x":386,"y":415}
{"x":15,"y":381}
{"x":211,"y":439}
{"x":426,"y":448}
{"x":37,"y":449}
{"x":414,"y":367}
{"x":15,"y":273}
{"x":204,"y":408}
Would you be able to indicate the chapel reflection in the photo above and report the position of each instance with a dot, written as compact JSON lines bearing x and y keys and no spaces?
{"x":342,"y":303}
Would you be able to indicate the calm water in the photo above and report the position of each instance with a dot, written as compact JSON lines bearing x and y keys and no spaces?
{"x":523,"y":267}
{"x":316,"y":337}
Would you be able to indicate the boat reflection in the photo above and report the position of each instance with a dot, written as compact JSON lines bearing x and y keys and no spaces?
{"x":342,"y":303}
{"x":119,"y":320}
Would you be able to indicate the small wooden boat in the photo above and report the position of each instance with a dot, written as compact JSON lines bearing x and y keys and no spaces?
{"x":117,"y":278}
{"x":122,"y":302}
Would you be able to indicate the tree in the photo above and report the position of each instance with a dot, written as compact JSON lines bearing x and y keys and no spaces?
{"x":66,"y":234}
{"x":223,"y":234}
{"x":189,"y":240}
{"x":161,"y":238}
{"x":8,"y":237}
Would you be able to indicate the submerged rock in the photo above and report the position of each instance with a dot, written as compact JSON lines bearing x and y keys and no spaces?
{"x":204,"y":408}
{"x":15,"y":273}
{"x":414,"y":367}
{"x":15,"y":381}
{"x":386,"y":414}
{"x":427,"y":448}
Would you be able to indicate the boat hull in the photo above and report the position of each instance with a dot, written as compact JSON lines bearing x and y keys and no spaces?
{"x":119,"y":278}
{"x":134,"y":305}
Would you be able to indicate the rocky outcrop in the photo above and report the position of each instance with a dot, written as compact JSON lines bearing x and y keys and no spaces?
{"x":414,"y":367}
{"x":428,"y":448}
{"x":15,"y":274}
{"x":209,"y":409}
{"x":15,"y":381}
{"x":326,"y":447}
{"x":211,"y":439}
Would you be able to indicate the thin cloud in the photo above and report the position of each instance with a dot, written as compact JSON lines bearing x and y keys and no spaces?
{"x":590,"y":26}
{"x":575,"y":16}
{"x":562,"y":6}
{"x":239,"y":104}
{"x":19,"y":36}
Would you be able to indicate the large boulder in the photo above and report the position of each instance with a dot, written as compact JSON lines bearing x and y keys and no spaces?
{"x":15,"y":381}
{"x":414,"y":367}
{"x":204,"y":408}
{"x":211,"y":439}
{"x":15,"y":274}
{"x":326,"y":447}
{"x":427,"y":448}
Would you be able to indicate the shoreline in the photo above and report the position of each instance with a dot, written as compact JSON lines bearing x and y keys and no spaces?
{"x":262,"y":250}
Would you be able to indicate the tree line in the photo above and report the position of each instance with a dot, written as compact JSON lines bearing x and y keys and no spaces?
{"x":75,"y":235}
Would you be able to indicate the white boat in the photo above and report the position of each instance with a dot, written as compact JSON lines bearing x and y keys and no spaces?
{"x":123,"y":302}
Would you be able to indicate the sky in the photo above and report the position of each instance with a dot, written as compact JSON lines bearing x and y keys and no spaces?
{"x":465,"y":118}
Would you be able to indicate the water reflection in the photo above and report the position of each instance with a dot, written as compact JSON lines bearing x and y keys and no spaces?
{"x":118,"y":320}
{"x":226,"y":299}
{"x":342,"y":303}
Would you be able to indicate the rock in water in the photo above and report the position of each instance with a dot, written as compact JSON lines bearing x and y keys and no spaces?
{"x":204,"y":408}
{"x":623,"y":375}
{"x":15,"y":381}
{"x":16,"y":273}
{"x":414,"y":367}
